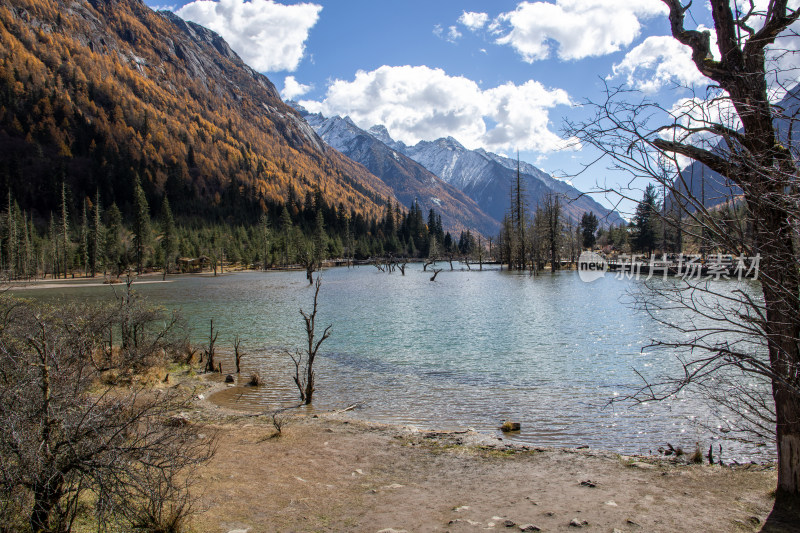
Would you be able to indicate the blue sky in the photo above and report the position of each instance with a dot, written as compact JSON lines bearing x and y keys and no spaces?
{"x":501,"y":75}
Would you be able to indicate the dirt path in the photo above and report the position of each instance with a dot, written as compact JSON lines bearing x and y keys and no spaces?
{"x":329,"y":473}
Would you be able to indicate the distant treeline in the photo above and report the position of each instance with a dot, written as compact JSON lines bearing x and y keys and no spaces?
{"x":93,"y":238}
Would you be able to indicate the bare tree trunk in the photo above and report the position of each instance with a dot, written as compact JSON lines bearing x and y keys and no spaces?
{"x":304,"y":366}
{"x":780,"y":286}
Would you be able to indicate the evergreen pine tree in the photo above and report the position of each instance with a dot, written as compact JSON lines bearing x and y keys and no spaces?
{"x":286,"y":228}
{"x":588,"y":228}
{"x":168,"y":235}
{"x":64,"y":229}
{"x":84,"y":243}
{"x":141,"y":224}
{"x":113,"y":243}
{"x":96,"y":240}
{"x":265,"y":236}
{"x":645,"y":221}
{"x":11,"y":241}
{"x":320,"y":239}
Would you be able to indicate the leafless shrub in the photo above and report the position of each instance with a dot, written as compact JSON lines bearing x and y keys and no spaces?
{"x":190,"y":354}
{"x":149,"y":336}
{"x":280,"y":419}
{"x":64,"y":433}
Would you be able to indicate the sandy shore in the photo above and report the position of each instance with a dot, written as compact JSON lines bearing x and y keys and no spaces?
{"x":328,"y":472}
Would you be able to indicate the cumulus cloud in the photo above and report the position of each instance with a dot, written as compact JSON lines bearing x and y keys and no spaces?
{"x":577,"y":28}
{"x":268,"y":36}
{"x":421,"y":103}
{"x":472,"y":20}
{"x":293,"y":88}
{"x":658,"y":61}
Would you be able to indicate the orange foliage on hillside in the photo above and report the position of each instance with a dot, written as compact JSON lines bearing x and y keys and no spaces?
{"x":107,"y":89}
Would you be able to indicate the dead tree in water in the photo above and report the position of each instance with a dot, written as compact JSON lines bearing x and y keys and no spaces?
{"x":435,"y":273}
{"x":304,"y":360}
{"x":209,"y":352}
{"x":310,"y":264}
{"x":237,"y":351}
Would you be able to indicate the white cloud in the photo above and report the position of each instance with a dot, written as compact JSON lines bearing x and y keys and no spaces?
{"x":703,"y":113}
{"x":268,"y":36}
{"x":658,"y":61}
{"x":690,"y":114}
{"x":473,"y":21}
{"x":579,"y":28}
{"x":293,"y":88}
{"x":420,"y":103}
{"x":451,"y":36}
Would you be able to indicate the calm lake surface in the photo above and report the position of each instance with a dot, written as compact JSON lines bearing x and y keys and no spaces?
{"x":469,"y":350}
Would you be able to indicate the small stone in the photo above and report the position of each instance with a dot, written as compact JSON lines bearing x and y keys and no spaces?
{"x":529,"y":527}
{"x":177,"y":421}
{"x":589,"y":483}
{"x":461,"y":508}
{"x":754,"y":520}
{"x":642,"y":465}
{"x":229,"y":379}
{"x":509,"y":523}
{"x":617,"y":530}
{"x":508,"y":425}
{"x":611,"y":503}
{"x":577,"y":523}
{"x":239,"y":530}
{"x":467,"y":521}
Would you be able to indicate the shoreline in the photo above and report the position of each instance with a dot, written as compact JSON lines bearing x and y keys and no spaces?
{"x":329,"y":471}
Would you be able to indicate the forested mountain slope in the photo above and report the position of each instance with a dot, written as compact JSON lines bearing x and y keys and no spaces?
{"x":95,"y":93}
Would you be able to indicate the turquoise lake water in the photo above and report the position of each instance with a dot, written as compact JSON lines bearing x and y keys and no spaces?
{"x":471,"y":349}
